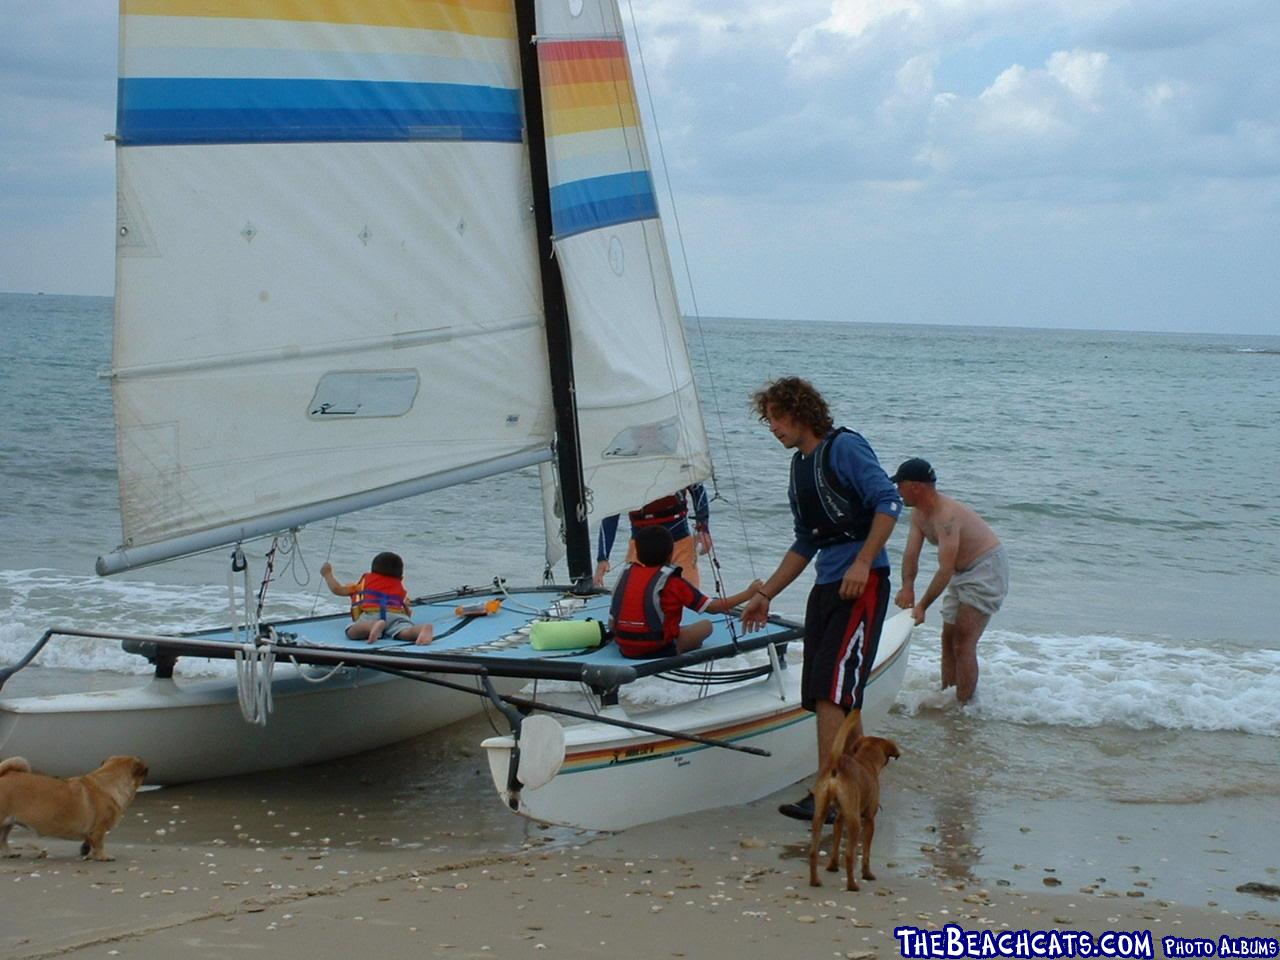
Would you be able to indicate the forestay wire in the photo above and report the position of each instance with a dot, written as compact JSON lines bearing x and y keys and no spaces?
{"x":697,"y":317}
{"x":693,"y":293}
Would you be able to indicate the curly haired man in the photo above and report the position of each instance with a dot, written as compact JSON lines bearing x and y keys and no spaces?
{"x":845,"y":508}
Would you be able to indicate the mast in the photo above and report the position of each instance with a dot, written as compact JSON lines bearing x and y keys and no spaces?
{"x":559,"y":345}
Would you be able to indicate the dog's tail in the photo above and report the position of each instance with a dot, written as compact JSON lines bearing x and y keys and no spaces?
{"x":14,"y":765}
{"x":842,"y":740}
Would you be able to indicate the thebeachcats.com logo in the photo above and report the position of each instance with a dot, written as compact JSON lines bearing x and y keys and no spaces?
{"x":953,"y":942}
{"x":1224,"y":946}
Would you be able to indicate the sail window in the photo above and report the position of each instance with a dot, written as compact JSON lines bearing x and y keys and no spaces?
{"x":344,"y":394}
{"x":646,"y":440}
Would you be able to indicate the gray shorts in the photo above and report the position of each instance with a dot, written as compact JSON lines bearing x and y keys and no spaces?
{"x":983,"y":586}
{"x":395,"y":623}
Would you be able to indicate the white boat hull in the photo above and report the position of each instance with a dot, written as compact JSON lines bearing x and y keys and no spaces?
{"x":195,"y":731}
{"x":613,"y":778}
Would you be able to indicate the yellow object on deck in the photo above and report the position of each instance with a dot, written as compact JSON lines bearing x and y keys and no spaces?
{"x":486,"y":609}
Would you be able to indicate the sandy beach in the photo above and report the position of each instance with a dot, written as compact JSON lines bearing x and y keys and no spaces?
{"x":357,"y":856}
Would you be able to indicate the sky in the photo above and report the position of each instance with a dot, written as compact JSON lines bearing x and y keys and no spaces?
{"x":1107,"y":164}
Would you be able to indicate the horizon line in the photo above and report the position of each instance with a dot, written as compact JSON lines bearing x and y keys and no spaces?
{"x":688,"y":317}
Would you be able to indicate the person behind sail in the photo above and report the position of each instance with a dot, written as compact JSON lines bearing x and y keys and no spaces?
{"x":379,"y":603}
{"x":671,"y":512}
{"x":651,"y":596}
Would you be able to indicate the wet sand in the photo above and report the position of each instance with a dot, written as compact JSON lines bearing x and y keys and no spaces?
{"x":408,"y":850}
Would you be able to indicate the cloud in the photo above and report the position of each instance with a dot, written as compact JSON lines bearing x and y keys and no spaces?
{"x":1029,"y":122}
{"x":1173,"y":24}
{"x":1104,"y":151}
{"x":1080,"y":116}
{"x":854,"y":89}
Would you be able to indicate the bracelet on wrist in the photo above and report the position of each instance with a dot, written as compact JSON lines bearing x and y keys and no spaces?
{"x":765,"y":595}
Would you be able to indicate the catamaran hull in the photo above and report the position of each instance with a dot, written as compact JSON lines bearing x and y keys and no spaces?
{"x":612,"y":779}
{"x":195,"y":731}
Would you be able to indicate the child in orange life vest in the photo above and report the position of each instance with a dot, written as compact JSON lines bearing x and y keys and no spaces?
{"x":650,"y":596}
{"x":379,"y":603}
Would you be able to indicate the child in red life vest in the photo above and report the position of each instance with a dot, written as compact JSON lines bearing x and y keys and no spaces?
{"x":650,"y":596}
{"x":379,"y":603}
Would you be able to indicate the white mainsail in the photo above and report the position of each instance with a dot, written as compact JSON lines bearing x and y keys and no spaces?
{"x":641,"y":428}
{"x":327,"y":289}
{"x":326,"y":273}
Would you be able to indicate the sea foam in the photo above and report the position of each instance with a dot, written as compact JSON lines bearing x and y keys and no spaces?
{"x":1089,"y":681}
{"x":40,"y":599}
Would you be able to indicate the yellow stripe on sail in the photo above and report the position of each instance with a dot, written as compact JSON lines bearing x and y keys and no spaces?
{"x":490,"y":18}
{"x":572,"y":96}
{"x":583,"y":119}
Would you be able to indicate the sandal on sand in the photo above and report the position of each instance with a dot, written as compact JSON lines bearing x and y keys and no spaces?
{"x":803,"y":809}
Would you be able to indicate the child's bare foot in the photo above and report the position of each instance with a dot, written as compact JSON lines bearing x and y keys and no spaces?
{"x":375,"y":632}
{"x":425,"y":635}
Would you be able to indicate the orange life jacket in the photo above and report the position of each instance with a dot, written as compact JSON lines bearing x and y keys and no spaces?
{"x":639,"y":626}
{"x":380,"y":594}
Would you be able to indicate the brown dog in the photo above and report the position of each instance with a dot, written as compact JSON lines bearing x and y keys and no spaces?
{"x":852,"y":782}
{"x":81,"y":808}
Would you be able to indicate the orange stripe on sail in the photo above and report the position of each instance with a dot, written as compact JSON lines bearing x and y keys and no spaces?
{"x":591,"y":70}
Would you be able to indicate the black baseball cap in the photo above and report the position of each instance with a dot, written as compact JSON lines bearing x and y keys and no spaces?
{"x":915,"y":469}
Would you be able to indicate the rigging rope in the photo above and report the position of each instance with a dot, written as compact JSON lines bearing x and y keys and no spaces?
{"x":500,"y":585}
{"x":712,"y":558}
{"x":239,"y":564}
{"x":255,"y":665}
{"x":255,"y":662}
{"x":295,"y":561}
{"x":333,"y":535}
{"x":693,"y":294}
{"x":316,"y":678}
{"x":266,"y":579}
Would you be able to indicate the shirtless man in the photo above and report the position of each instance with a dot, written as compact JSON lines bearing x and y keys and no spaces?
{"x":972,"y":569}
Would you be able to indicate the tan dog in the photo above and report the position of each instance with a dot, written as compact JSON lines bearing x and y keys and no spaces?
{"x":852,"y":782}
{"x":81,"y":808}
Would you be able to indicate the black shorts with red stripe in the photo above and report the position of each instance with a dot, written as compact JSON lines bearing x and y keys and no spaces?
{"x":840,"y":641}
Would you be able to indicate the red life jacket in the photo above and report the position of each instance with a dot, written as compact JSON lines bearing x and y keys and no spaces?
{"x":665,"y":510}
{"x":380,"y":594}
{"x":639,"y":626}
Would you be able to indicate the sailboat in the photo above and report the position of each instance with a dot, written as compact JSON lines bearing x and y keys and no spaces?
{"x":366,"y":251}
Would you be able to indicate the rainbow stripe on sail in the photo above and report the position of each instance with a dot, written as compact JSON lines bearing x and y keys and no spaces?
{"x":279,"y":71}
{"x":599,"y":172}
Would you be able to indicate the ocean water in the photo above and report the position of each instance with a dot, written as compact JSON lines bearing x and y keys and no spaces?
{"x":1132,"y":476}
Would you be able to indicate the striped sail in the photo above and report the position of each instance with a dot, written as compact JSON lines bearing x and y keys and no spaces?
{"x":640,"y":422}
{"x":327,"y":287}
{"x":326,"y":273}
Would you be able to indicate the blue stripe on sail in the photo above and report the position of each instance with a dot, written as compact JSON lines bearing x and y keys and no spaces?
{"x":602,"y":202}
{"x":155,"y":111}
